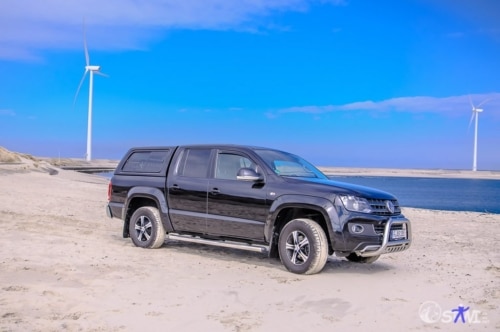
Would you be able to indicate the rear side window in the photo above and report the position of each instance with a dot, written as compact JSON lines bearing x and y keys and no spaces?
{"x":194,"y":163}
{"x":146,"y":161}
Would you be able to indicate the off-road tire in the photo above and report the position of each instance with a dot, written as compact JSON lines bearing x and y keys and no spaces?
{"x":303,"y":246}
{"x":353,"y":257}
{"x":146,"y":229}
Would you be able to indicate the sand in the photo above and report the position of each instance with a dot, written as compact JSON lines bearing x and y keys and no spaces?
{"x":65,"y":266}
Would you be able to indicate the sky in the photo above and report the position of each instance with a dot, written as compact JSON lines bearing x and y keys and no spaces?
{"x":347,"y":83}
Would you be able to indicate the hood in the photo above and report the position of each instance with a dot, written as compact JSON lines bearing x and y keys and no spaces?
{"x":338,"y":187}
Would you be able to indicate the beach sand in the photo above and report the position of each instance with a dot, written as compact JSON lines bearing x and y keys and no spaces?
{"x":65,"y":266}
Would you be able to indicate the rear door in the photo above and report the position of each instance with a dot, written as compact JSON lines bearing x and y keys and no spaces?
{"x":187,"y":185}
{"x":236,"y":208}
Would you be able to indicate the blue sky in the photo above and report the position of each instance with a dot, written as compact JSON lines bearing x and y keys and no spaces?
{"x":355,"y":83}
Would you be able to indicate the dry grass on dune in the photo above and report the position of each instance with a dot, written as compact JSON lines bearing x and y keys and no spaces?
{"x":20,"y":162}
{"x":9,"y":157}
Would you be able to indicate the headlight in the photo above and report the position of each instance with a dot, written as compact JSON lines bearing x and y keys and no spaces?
{"x":357,"y":204}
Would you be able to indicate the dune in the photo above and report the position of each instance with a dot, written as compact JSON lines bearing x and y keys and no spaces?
{"x":65,"y":266}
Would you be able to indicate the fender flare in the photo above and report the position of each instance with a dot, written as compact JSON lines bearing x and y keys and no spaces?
{"x":324,"y":206}
{"x":154,"y":194}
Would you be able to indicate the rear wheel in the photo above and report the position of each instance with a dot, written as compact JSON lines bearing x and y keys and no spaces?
{"x":303,"y":246}
{"x":353,"y":257}
{"x":146,"y":229}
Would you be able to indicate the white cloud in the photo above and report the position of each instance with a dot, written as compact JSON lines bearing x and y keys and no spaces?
{"x":29,"y":26}
{"x":450,"y":105}
{"x":7,"y":113}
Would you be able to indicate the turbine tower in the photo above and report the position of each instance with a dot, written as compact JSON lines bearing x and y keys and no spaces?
{"x":92,"y":70}
{"x":475,"y":116}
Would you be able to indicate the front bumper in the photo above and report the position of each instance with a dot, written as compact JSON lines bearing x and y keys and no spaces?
{"x":388,"y":245}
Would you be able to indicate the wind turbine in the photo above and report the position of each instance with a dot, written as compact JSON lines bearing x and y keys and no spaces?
{"x":475,"y":116}
{"x":92,"y":69}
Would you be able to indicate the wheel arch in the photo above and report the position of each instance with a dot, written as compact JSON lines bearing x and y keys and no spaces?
{"x":290,"y":207}
{"x":145,"y":196}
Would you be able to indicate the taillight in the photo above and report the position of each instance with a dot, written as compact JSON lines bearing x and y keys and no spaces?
{"x":110,"y":186}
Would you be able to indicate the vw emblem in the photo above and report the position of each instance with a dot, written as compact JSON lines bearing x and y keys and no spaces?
{"x":390,"y":206}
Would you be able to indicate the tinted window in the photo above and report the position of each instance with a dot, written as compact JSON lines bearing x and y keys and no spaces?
{"x":286,"y":164}
{"x":229,"y":164}
{"x":194,"y":163}
{"x":146,"y":161}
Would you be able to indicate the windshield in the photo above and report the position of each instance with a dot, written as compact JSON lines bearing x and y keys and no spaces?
{"x":286,"y":164}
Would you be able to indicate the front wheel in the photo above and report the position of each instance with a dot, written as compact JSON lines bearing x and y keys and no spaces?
{"x":303,"y":246}
{"x":353,"y":257}
{"x":146,"y":229}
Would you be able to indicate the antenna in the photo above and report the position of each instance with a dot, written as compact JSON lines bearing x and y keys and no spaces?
{"x":92,"y":70}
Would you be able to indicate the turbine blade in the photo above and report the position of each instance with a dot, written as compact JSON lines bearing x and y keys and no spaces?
{"x":484,"y":101}
{"x":79,"y":87}
{"x":471,"y":104}
{"x":471,"y":118}
{"x":87,"y":59}
{"x":100,"y":73}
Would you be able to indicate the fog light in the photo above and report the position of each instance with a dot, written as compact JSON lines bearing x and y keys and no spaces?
{"x":358,"y":229}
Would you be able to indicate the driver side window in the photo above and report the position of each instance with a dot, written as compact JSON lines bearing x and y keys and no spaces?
{"x":228,"y":165}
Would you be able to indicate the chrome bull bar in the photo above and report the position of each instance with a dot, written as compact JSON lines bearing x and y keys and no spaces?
{"x":388,"y":245}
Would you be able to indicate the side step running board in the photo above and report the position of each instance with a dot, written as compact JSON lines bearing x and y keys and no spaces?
{"x":219,"y":243}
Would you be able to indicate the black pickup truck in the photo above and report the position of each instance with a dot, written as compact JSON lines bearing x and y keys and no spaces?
{"x":252,"y":198}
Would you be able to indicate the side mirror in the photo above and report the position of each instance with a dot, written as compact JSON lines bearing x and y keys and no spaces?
{"x":248,"y":174}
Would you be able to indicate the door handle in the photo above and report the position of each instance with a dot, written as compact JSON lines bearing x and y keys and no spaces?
{"x":215,"y":191}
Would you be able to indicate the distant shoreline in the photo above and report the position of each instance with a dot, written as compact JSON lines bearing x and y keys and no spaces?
{"x":429,"y":173}
{"x":106,"y":164}
{"x":81,"y":165}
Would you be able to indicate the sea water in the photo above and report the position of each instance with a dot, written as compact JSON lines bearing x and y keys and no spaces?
{"x":436,"y":193}
{"x":477,"y":195}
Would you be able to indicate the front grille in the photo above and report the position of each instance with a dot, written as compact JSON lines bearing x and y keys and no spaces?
{"x":379,"y":207}
{"x":379,"y":229}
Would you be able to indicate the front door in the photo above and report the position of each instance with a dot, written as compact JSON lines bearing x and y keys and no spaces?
{"x":236,"y":208}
